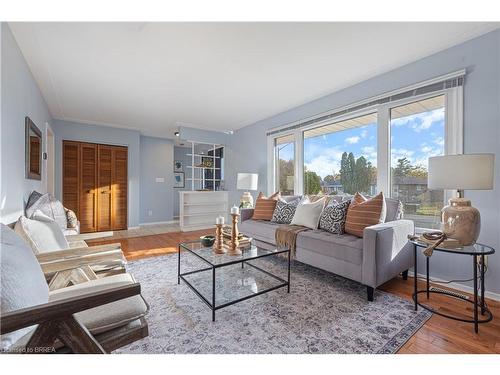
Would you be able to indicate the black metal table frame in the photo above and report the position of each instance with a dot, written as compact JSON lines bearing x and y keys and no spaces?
{"x":478,"y":303}
{"x":213,"y":267}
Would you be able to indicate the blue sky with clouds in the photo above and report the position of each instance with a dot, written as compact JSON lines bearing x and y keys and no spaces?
{"x":417,"y":137}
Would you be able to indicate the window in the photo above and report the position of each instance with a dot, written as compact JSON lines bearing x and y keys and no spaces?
{"x":284,"y":151}
{"x":417,"y":132}
{"x":376,"y":145}
{"x":341,"y":158}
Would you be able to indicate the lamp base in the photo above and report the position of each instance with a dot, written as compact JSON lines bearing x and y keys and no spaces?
{"x":461,"y":221}
{"x":246,"y":200}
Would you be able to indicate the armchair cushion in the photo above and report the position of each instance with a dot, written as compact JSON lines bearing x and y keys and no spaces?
{"x":103,"y":318}
{"x":42,"y":236}
{"x":21,"y":278}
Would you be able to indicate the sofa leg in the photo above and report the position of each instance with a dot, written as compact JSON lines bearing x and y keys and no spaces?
{"x":405,"y":275}
{"x":369,"y":293}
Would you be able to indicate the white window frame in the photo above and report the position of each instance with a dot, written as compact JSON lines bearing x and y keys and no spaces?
{"x":453,"y":139}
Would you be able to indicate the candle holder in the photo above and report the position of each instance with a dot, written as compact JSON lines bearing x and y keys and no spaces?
{"x":219,"y":245}
{"x":235,"y":243}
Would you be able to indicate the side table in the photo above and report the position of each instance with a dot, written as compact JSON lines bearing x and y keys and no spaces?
{"x":475,"y":251}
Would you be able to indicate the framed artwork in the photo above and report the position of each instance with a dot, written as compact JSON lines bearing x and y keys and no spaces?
{"x":177,"y":166}
{"x":178,"y":179}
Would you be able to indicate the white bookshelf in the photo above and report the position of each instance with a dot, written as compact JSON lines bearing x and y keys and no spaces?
{"x":198,"y":209}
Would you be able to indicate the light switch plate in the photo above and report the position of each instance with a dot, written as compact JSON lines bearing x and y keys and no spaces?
{"x":160,"y":179}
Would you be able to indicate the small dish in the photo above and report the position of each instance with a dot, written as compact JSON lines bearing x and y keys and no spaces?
{"x":207,"y":240}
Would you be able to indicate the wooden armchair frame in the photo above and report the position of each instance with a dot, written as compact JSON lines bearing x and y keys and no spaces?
{"x":56,"y":321}
{"x":63,"y":267}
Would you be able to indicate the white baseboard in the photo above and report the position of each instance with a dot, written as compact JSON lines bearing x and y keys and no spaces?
{"x":160,"y":222}
{"x":461,"y":287}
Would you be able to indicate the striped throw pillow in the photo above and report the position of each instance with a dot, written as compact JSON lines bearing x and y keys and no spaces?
{"x":363,"y":212}
{"x":264,"y":207}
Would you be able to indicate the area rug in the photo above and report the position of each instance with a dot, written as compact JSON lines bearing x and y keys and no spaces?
{"x":323,"y":313}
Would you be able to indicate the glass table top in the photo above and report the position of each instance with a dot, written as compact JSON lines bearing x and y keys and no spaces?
{"x":476,"y":249}
{"x":208,"y":254}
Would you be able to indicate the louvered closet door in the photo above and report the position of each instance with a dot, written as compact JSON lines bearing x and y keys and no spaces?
{"x":104,"y":183}
{"x":88,"y":187}
{"x":71,"y":168}
{"x":119,"y":188}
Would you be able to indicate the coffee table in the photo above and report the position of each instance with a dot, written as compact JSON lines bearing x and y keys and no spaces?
{"x":229,"y":279}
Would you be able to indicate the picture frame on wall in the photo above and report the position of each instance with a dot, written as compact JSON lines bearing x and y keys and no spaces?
{"x":177,"y":166}
{"x":178,"y":179}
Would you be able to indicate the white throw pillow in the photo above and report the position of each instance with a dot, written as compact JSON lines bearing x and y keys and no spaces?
{"x":42,"y":236}
{"x":308,"y":213}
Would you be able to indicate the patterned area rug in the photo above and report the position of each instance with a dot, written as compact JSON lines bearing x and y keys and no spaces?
{"x":323,"y":313}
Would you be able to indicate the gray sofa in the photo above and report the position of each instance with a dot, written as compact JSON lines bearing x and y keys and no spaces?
{"x":380,"y":255}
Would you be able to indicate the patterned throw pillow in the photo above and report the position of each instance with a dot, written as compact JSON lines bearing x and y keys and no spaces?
{"x":71,"y":217}
{"x":334,"y":216}
{"x":264,"y":207}
{"x":363,"y":212}
{"x":284,"y":211}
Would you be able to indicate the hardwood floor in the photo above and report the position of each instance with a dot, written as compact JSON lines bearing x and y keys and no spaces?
{"x":438,"y":335}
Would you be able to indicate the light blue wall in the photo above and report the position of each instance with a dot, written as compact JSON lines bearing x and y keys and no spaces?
{"x":180,"y":153}
{"x":157,"y":157}
{"x":199,"y":135}
{"x":20,"y":97}
{"x":72,"y":131}
{"x":247,"y":149}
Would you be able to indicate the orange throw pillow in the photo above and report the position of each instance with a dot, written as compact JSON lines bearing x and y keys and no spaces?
{"x":264,"y":207}
{"x":363,"y":212}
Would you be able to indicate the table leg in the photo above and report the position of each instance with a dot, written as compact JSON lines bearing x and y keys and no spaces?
{"x":476,"y":325}
{"x":213,"y":294}
{"x":289,"y":271}
{"x":482,"y":285}
{"x":178,"y":264}
{"x":415,"y":295}
{"x":427,"y":275}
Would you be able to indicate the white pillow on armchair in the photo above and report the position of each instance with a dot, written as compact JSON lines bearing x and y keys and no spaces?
{"x":42,"y":234}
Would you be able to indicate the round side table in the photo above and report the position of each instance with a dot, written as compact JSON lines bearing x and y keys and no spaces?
{"x":475,"y":251}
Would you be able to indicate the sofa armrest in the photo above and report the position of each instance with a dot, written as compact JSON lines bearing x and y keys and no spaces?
{"x":246,"y":214}
{"x":386,"y":251}
{"x":110,"y":258}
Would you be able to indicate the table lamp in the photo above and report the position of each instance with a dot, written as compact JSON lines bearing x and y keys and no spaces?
{"x":459,"y":219}
{"x":247,"y":182}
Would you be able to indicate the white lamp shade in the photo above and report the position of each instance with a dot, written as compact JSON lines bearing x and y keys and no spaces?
{"x":462,"y":172}
{"x":247,"y":181}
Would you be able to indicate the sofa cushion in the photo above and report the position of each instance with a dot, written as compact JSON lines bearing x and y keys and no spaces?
{"x":284,"y":211}
{"x":264,"y":207}
{"x":363,"y":212}
{"x":103,"y":318}
{"x":259,"y":230}
{"x":308,"y":213}
{"x":345,"y":247}
{"x":42,"y":236}
{"x":51,"y":207}
{"x":334,"y":216}
{"x":21,"y":278}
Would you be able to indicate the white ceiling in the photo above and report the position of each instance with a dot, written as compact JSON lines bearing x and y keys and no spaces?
{"x":219,"y":76}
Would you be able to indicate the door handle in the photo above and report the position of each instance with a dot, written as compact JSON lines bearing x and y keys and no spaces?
{"x":104,"y":191}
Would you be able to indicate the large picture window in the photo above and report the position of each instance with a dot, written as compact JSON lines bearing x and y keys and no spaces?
{"x":341,"y":158}
{"x":417,"y":133}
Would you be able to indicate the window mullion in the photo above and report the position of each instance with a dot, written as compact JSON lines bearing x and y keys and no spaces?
{"x":383,"y":150}
{"x":299,"y":163}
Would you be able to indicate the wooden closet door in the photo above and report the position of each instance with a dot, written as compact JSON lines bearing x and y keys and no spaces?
{"x":71,"y":176}
{"x":104,"y":183}
{"x":119,"y":188}
{"x":88,"y":187}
